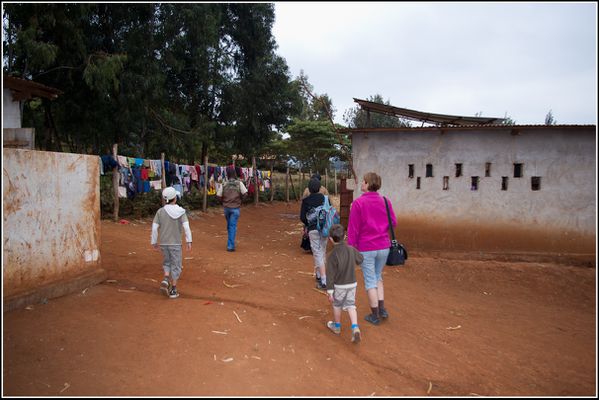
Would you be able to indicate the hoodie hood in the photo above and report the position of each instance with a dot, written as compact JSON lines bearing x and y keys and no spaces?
{"x":174,"y":211}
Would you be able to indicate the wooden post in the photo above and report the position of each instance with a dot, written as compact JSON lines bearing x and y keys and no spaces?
{"x":287,"y":186}
{"x":293,"y":188}
{"x":163,"y":177}
{"x":272,"y":181}
{"x":255,"y":181}
{"x":335,"y":181}
{"x":205,"y":183}
{"x":115,"y":183}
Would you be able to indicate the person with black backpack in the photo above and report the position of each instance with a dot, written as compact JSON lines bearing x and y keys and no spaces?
{"x":231,"y":193}
{"x":318,"y":243}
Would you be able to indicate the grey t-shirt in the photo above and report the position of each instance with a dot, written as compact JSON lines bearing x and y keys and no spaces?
{"x":170,"y":229}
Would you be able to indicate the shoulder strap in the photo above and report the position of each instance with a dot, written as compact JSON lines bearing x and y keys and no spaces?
{"x":389,"y":218}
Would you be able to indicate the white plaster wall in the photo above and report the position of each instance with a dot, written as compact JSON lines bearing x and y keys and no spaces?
{"x":11,"y":112}
{"x":51,"y":224}
{"x":563,"y":158}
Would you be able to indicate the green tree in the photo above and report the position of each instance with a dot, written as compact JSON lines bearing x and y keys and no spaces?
{"x":508,"y":120}
{"x":313,"y":143}
{"x":261,"y":98}
{"x":549,"y":120}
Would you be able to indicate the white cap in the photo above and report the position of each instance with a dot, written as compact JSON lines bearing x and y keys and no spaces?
{"x":169,"y":193}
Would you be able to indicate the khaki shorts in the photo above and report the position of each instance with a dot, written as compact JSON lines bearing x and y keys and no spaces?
{"x":344,"y":298}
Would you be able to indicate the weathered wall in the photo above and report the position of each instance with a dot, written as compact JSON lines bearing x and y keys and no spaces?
{"x":559,"y":217}
{"x":51,"y":224}
{"x":11,"y":112}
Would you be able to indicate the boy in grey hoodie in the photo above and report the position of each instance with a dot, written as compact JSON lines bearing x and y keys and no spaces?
{"x":171,"y":220}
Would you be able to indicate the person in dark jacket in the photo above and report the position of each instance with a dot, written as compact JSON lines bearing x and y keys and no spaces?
{"x":341,"y":281}
{"x":318,"y":244}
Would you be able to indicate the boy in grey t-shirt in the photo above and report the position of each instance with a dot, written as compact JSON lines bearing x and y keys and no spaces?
{"x":171,"y":220}
{"x":341,"y":281}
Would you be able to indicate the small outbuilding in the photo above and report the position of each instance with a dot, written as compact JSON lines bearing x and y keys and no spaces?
{"x":476,"y":184}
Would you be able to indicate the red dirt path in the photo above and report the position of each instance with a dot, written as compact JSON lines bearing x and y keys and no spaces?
{"x":250,"y":323}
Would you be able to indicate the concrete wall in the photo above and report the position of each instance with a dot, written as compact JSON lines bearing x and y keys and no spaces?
{"x":11,"y":112}
{"x":559,"y":217}
{"x":51,"y":224}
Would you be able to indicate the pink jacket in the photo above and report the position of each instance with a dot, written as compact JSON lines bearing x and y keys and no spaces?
{"x":368,"y":226}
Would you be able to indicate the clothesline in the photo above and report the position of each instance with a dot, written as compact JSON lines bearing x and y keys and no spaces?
{"x":138,"y":175}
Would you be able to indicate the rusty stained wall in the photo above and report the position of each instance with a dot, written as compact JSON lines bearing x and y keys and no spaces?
{"x":51,"y":221}
{"x":558,"y":218}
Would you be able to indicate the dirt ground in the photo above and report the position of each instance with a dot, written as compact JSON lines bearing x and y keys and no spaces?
{"x":251,"y":323}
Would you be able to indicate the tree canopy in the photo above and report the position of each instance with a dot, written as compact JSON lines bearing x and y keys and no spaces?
{"x":185,"y":79}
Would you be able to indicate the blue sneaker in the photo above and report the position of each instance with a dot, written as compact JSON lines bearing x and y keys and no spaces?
{"x":356,"y":335}
{"x":373,"y":319}
{"x":335,"y":329}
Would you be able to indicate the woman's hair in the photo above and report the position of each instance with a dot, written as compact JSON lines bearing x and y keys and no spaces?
{"x":314,"y":185}
{"x":373,"y":181}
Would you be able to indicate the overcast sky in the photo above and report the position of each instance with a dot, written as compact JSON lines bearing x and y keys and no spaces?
{"x":498,"y":59}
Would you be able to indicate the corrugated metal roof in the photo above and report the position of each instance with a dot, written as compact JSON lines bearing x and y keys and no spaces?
{"x":513,"y":128}
{"x":437,"y":119}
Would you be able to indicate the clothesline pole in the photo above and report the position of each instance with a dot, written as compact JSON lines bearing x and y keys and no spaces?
{"x":205,"y":182}
{"x":255,"y":181}
{"x":163,"y":178}
{"x":272,"y":184}
{"x":335,"y":181}
{"x":287,"y":186}
{"x":293,"y":188}
{"x":115,"y":183}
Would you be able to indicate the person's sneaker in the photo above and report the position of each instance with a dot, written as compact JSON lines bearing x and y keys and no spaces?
{"x":164,"y":285}
{"x":383,"y":313}
{"x":373,"y":319}
{"x":230,"y":250}
{"x":331,"y":325}
{"x":173,"y":294}
{"x":320,"y":285}
{"x":356,"y":335}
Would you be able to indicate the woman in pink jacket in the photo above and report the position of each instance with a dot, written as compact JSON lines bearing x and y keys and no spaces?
{"x":368,"y":231}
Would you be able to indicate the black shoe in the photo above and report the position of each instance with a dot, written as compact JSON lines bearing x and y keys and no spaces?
{"x":230,"y":249}
{"x":319,"y":285}
{"x":173,"y":294}
{"x":383,"y":313}
{"x":373,"y":319}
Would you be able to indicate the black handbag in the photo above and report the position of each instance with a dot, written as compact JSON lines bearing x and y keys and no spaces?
{"x":305,"y":241}
{"x":397,"y":252}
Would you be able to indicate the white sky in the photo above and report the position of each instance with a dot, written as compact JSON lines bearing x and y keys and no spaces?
{"x":514,"y":59}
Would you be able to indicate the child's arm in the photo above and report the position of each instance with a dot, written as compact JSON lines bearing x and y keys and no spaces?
{"x":187,"y":234}
{"x":154,"y":237}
